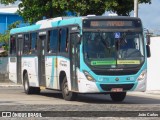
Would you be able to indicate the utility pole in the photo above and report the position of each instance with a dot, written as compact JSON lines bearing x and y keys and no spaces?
{"x":135,"y":8}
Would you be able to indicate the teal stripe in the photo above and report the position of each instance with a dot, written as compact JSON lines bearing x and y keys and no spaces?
{"x":77,"y":20}
{"x":25,"y":29}
{"x":52,"y":73}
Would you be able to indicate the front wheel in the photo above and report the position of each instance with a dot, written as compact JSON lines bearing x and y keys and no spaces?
{"x":67,"y":95}
{"x":118,"y":96}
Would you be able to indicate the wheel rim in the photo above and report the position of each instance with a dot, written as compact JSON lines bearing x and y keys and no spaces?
{"x":66,"y":91}
{"x":26,"y":85}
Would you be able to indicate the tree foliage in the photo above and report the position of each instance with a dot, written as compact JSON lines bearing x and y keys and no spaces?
{"x":5,"y":37}
{"x":122,"y":7}
{"x":33,"y":10}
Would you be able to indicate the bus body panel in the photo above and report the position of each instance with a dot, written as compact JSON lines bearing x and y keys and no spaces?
{"x":54,"y":66}
{"x":51,"y":72}
{"x":30,"y":65}
{"x":12,"y":69}
{"x":63,"y":65}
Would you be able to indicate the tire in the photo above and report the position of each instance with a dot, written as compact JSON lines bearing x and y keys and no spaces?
{"x":118,"y":96}
{"x":67,"y":95}
{"x":27,"y":88}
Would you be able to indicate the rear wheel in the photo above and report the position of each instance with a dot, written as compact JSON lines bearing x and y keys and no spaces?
{"x":67,"y":95}
{"x":27,"y":88}
{"x":118,"y":96}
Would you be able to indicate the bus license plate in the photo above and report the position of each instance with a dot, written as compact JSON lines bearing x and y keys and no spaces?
{"x":117,"y":89}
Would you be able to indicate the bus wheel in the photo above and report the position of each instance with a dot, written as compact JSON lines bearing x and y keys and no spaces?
{"x":118,"y":96}
{"x":67,"y":95}
{"x":27,"y":88}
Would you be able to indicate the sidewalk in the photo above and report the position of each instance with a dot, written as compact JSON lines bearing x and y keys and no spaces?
{"x":8,"y":83}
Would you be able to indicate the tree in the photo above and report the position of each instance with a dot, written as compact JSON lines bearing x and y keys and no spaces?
{"x":34,"y":10}
{"x":5,"y":37}
{"x":122,"y":7}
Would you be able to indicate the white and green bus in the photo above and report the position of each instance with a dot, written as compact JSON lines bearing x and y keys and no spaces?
{"x":89,"y":54}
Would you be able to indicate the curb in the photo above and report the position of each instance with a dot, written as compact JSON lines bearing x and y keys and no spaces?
{"x":9,"y":85}
{"x":157,"y":92}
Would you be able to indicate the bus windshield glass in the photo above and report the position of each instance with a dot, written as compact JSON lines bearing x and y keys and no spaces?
{"x":113,"y":49}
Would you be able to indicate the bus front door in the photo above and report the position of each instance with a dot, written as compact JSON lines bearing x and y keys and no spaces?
{"x":41,"y":60}
{"x":74,"y":62}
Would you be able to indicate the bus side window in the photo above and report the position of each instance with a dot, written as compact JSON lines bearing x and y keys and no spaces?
{"x":26,"y":44}
{"x":64,"y":40}
{"x":52,"y":44}
{"x":33,"y":43}
{"x":12,"y":45}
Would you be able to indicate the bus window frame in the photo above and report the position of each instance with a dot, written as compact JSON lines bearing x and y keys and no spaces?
{"x":59,"y":53}
{"x":66,"y":38}
{"x":36,"y":43}
{"x":47,"y":42}
{"x":29,"y":43}
{"x":15,"y":52}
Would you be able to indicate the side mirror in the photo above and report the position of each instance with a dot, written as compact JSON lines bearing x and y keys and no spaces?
{"x":148,"y":39}
{"x":147,"y":35}
{"x":148,"y":51}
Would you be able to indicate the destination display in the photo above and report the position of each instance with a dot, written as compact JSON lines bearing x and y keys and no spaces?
{"x":114,"y":62}
{"x":111,"y":23}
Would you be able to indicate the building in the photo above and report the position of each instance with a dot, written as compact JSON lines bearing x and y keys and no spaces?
{"x":7,"y":19}
{"x":8,"y":16}
{"x":153,"y":78}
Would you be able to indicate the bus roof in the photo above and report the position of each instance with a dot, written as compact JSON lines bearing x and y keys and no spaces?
{"x":62,"y":21}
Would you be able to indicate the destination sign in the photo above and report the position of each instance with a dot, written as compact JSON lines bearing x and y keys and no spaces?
{"x":111,"y":23}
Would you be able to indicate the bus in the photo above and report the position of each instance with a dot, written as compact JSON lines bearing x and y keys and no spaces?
{"x":89,"y":54}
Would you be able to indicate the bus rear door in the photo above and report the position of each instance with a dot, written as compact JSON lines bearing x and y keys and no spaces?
{"x":41,"y":59}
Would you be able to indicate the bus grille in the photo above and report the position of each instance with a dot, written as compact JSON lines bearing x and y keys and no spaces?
{"x":115,"y":73}
{"x":106,"y":87}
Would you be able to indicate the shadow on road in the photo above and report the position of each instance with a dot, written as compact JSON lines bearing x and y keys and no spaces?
{"x":53,"y":95}
{"x":105,"y":99}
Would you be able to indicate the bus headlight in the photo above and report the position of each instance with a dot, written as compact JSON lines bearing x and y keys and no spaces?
{"x":88,"y":76}
{"x":142,"y":75}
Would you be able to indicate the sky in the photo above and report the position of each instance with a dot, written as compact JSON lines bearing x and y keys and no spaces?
{"x":149,"y":14}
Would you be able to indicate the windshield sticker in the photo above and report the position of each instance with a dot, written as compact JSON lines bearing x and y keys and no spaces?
{"x":111,"y":62}
{"x":117,"y":35}
{"x":128,"y":61}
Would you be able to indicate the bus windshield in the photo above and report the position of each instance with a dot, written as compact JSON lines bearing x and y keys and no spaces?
{"x":113,"y":49}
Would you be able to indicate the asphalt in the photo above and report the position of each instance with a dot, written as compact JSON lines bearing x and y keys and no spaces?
{"x":8,"y":83}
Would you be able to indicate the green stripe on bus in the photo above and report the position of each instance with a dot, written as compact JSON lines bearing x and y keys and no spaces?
{"x":110,"y":62}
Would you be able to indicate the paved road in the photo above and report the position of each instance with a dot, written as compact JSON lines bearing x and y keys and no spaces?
{"x":14,"y":99}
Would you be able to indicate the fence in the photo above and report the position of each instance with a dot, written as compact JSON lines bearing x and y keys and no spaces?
{"x":3,"y":69}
